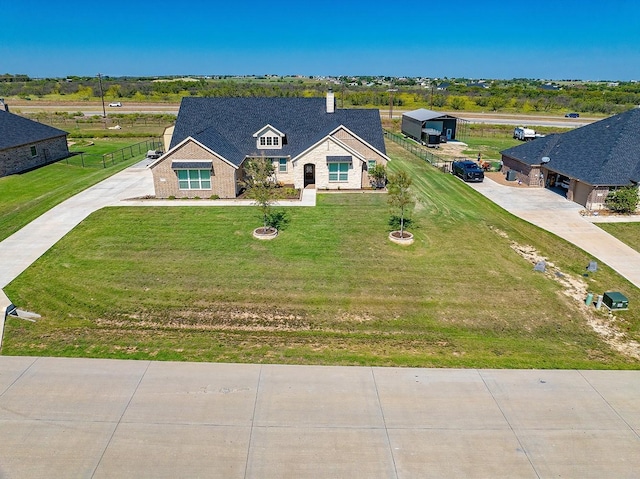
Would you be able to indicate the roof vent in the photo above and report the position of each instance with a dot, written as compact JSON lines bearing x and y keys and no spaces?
{"x":545,"y":159}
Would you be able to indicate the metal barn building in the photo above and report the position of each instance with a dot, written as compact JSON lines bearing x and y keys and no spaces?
{"x":425,"y":125}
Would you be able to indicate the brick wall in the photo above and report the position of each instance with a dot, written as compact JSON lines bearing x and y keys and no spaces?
{"x":16,"y":160}
{"x":527,"y":174}
{"x":223,"y":177}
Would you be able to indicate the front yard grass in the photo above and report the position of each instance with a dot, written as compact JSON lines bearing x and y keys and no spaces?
{"x":26,"y":196}
{"x":191,"y":284}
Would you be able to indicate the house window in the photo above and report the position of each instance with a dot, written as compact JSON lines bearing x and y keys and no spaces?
{"x":282,"y":165}
{"x":34,"y":151}
{"x":338,"y":172}
{"x":269,"y":141}
{"x":371,"y":164}
{"x":194,"y":179}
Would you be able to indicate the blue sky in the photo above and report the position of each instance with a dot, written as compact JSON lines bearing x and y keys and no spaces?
{"x":562,"y":39}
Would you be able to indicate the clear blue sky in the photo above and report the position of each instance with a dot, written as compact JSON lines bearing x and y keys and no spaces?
{"x":561,"y":39}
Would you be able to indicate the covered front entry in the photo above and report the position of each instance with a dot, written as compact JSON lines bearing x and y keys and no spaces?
{"x":309,"y":174}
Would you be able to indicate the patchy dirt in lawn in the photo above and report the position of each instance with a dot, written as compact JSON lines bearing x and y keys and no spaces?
{"x":606,"y":326}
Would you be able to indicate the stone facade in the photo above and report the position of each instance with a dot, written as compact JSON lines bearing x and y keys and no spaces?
{"x":530,"y":175}
{"x":20,"y":158}
{"x":318,"y":157}
{"x":224,"y":176}
{"x":366,"y":151}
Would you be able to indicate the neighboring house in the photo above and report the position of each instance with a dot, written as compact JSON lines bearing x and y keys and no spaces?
{"x":422,"y":124}
{"x":587,"y":162}
{"x":309,"y":141}
{"x":27,"y":144}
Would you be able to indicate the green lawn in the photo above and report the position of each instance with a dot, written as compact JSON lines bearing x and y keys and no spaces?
{"x":628,"y":233}
{"x":26,"y":196}
{"x":489,"y":147}
{"x":192,"y":284}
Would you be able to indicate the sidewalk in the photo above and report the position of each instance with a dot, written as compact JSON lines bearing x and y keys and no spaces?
{"x":94,"y":418}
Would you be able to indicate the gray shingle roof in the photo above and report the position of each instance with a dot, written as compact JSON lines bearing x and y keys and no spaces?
{"x":605,"y":153}
{"x":16,"y":130}
{"x":227,"y":125}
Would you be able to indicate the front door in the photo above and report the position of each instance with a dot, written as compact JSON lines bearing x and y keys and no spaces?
{"x":449,"y":133}
{"x":309,"y":174}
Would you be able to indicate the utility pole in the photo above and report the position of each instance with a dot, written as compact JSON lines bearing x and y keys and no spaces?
{"x":391,"y":90}
{"x":104,"y":112}
{"x":432,"y":85}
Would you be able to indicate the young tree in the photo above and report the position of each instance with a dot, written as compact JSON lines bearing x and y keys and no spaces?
{"x":378,"y":175}
{"x":623,"y":200}
{"x":259,"y":182}
{"x":400,"y":198}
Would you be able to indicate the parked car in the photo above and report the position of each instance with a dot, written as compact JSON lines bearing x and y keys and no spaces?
{"x":115,"y":103}
{"x":154,"y":154}
{"x":572,"y":115}
{"x":468,"y":170}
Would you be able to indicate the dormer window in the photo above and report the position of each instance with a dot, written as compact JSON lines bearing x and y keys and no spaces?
{"x":269,"y":140}
{"x":269,"y":137}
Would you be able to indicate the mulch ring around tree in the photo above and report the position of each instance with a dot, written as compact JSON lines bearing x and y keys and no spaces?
{"x":404,"y":238}
{"x":265,"y":233}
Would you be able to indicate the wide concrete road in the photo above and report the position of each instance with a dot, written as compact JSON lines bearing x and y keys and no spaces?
{"x":63,"y":417}
{"x":554,"y":213}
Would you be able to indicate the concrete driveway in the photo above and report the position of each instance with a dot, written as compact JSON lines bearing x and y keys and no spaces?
{"x":554,"y":213}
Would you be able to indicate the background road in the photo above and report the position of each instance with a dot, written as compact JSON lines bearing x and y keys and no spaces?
{"x":95,"y":108}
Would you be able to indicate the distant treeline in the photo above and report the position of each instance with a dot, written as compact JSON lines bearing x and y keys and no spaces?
{"x":517,"y":95}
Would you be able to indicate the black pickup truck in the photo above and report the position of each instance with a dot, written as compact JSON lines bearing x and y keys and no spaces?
{"x":468,"y":170}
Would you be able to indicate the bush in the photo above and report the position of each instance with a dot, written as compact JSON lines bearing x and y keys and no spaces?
{"x":623,"y":200}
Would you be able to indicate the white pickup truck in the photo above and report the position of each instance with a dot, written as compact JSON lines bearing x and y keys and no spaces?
{"x":524,"y":134}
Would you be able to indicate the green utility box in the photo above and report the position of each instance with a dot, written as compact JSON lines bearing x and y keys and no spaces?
{"x":615,"y":300}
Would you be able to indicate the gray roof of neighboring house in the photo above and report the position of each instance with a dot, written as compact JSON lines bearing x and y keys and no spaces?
{"x":605,"y":153}
{"x":426,"y":115}
{"x":16,"y":131}
{"x":227,"y":125}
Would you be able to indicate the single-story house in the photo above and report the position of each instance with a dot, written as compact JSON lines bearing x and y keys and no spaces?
{"x":26,"y":144}
{"x":587,"y":162}
{"x":309,"y":140}
{"x":424,"y":125}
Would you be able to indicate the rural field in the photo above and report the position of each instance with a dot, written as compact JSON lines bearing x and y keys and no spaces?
{"x":191,"y":284}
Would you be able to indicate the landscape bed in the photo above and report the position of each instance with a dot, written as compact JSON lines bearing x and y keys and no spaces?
{"x":191,"y":284}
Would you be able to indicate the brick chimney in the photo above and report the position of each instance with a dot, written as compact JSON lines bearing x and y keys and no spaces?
{"x":331,"y":101}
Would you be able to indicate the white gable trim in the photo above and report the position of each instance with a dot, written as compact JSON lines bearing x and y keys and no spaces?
{"x":342,"y":127}
{"x":268,"y":127}
{"x":334,"y":140}
{"x":185,"y":141}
